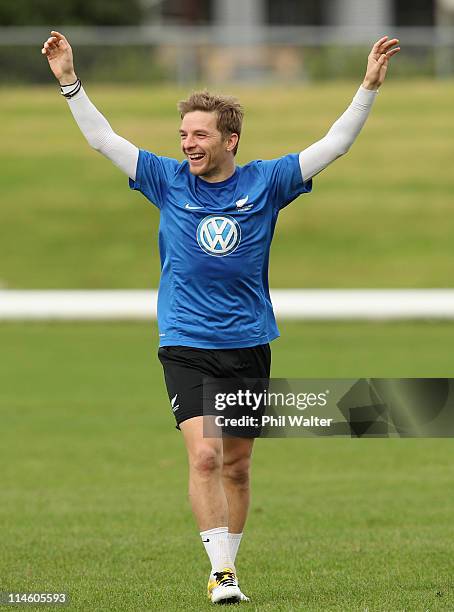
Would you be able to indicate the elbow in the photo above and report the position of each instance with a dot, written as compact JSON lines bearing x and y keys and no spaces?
{"x":336,"y":150}
{"x":341,"y":143}
{"x":343,"y":148}
{"x":95,"y":144}
{"x":99,"y":141}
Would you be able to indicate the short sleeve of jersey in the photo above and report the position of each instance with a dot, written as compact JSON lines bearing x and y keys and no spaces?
{"x":285,"y":180}
{"x":153,"y":176}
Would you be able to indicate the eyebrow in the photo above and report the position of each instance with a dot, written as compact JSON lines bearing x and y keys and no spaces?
{"x":199,"y":131}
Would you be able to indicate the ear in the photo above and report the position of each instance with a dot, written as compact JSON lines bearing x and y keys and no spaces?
{"x":232,"y":141}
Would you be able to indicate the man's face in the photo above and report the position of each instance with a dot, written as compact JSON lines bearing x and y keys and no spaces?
{"x":203,"y":144}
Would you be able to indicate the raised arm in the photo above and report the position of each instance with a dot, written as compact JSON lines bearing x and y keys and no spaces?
{"x":343,"y":133}
{"x":93,"y":125}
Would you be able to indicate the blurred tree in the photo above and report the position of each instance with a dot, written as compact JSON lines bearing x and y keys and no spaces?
{"x":70,"y":12}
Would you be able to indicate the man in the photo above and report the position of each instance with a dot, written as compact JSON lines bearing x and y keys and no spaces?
{"x":214,"y":311}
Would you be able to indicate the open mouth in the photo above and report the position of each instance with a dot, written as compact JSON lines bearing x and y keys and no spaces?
{"x":196,"y":157}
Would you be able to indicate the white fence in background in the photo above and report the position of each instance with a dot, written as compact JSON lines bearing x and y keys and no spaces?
{"x":229,"y":35}
{"x":194,"y":46}
{"x":307,"y":304}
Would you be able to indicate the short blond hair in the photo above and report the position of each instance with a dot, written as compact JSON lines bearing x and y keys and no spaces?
{"x":229,"y":111}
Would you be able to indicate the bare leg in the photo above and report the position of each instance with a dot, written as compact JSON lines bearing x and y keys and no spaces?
{"x":206,"y":491}
{"x":235,"y":476}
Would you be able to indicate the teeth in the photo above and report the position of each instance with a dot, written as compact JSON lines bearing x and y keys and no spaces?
{"x":196,"y":156}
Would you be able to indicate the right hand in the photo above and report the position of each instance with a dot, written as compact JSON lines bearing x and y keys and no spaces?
{"x":377,"y":62}
{"x":60,"y":57}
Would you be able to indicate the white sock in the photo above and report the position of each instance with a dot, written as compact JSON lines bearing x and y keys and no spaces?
{"x":234,"y":541}
{"x":216,"y":542}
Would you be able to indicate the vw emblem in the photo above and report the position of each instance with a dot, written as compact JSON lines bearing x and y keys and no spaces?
{"x":218,"y":235}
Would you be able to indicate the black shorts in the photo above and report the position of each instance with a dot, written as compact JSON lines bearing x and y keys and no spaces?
{"x":186,"y":367}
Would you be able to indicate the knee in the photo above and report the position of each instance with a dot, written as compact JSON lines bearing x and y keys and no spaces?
{"x":237,"y":471}
{"x":205,"y":461}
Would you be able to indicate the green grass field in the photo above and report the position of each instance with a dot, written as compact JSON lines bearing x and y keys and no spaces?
{"x":380,"y":217}
{"x":94,"y":479}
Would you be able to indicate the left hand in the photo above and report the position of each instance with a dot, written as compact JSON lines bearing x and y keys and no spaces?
{"x":377,"y":62}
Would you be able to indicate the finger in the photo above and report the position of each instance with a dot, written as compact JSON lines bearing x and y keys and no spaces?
{"x":392,"y":52}
{"x":55,"y":44}
{"x":390,"y":43}
{"x":52,"y":42}
{"x":58,"y":35}
{"x":386,"y":46}
{"x":378,"y":44}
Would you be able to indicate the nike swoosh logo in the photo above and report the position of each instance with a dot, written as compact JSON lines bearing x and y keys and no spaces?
{"x":189,"y":207}
{"x":206,"y":540}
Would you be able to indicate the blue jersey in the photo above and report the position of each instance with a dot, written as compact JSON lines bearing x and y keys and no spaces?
{"x":214,"y":243}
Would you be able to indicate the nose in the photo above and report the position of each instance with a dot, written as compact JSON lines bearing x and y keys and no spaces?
{"x":188,"y":142}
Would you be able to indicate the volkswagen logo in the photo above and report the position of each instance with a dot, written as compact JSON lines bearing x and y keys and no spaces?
{"x":218,"y":235}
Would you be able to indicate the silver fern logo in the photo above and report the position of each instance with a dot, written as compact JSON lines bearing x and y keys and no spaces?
{"x":242,"y":202}
{"x":173,"y":403}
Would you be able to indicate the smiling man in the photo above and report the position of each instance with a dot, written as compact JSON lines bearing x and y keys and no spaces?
{"x":209,"y":132}
{"x":215,"y":315}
